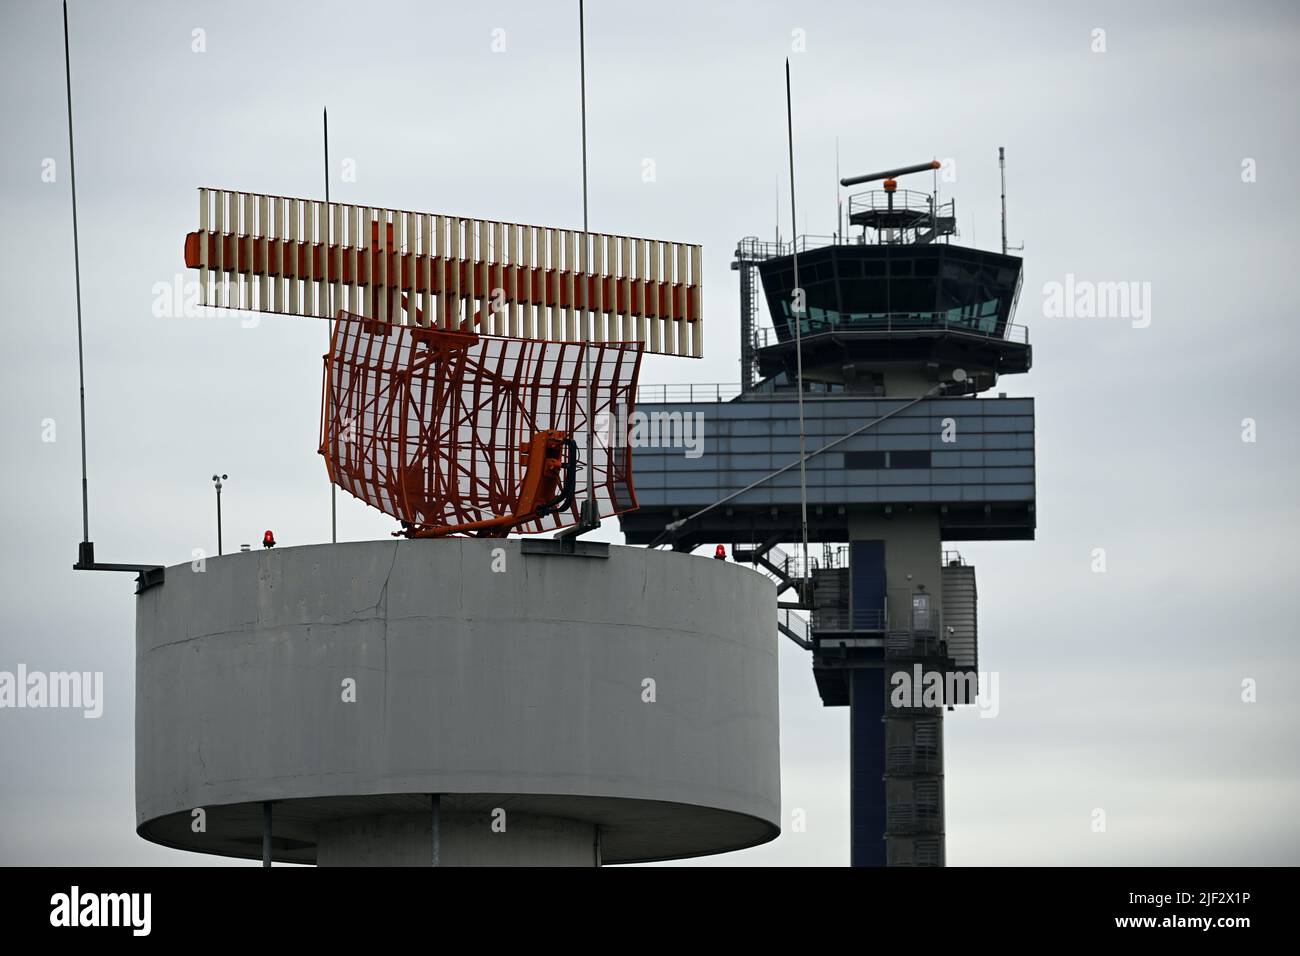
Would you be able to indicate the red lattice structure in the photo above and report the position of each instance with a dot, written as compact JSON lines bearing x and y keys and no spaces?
{"x":450,"y":431}
{"x":456,"y":391}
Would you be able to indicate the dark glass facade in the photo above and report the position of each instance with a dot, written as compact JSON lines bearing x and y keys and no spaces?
{"x":895,"y":287}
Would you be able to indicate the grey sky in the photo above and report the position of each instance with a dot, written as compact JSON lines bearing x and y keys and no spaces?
{"x":1118,"y":690}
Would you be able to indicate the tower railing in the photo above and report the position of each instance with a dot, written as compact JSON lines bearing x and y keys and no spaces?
{"x":882,"y":200}
{"x":890,"y":323}
{"x":794,"y":625}
{"x":716,"y":392}
{"x":688,"y":392}
{"x":826,"y":620}
{"x":754,"y":248}
{"x":915,"y":643}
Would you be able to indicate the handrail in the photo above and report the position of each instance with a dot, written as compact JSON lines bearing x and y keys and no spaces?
{"x":909,"y":200}
{"x":794,"y":626}
{"x":834,"y":619}
{"x":890,"y":322}
{"x":752,"y":248}
{"x":688,"y":392}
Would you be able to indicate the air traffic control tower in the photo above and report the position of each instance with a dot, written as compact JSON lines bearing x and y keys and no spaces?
{"x":903,"y":335}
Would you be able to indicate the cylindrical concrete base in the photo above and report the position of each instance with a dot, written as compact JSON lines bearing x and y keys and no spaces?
{"x":465,"y":839}
{"x":634,"y":695}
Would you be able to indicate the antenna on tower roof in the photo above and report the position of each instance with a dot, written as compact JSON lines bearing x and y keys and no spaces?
{"x":1002,"y":169}
{"x":839,"y":202}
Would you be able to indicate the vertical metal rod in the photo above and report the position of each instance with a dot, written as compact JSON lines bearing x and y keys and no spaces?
{"x":76,"y":260}
{"x":1002,"y":168}
{"x":219,"y":551}
{"x":590,"y":506}
{"x":934,"y":209}
{"x":329,"y":322}
{"x":839,"y":203}
{"x":266,"y":833}
{"x":798,"y":340}
{"x":435,"y":810}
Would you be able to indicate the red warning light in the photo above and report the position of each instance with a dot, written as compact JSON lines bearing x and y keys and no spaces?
{"x":268,"y":540}
{"x":720,"y":553}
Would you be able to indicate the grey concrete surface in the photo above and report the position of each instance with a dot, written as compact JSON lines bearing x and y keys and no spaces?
{"x":519,"y":689}
{"x":465,"y":839}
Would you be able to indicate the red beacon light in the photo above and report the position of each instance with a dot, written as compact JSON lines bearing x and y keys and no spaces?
{"x":268,"y":540}
{"x":720,"y":553}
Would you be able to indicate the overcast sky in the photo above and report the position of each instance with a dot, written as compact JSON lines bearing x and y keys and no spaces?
{"x":1118,"y":690}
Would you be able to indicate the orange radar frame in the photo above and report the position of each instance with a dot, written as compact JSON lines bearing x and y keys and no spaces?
{"x":452,"y":432}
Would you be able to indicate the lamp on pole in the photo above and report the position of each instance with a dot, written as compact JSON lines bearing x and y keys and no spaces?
{"x":218,"y":479}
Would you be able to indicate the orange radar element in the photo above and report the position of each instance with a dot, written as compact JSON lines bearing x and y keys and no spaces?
{"x":890,"y":175}
{"x":305,"y":257}
{"x":453,"y":432}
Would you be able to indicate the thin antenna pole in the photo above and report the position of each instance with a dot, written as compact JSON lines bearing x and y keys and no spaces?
{"x":839,"y":203}
{"x":329,"y":322}
{"x":590,"y":506}
{"x":1002,"y":168}
{"x":76,"y":260}
{"x":934,"y":210}
{"x":798,"y":334}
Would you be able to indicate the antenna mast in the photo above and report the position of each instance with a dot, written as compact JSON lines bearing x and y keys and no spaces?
{"x":147,"y":575}
{"x":1002,"y":168}
{"x":839,"y":203}
{"x":76,"y":260}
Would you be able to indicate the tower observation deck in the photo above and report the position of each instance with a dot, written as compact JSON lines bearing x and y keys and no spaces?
{"x":901,"y":332}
